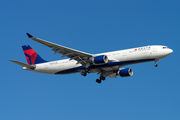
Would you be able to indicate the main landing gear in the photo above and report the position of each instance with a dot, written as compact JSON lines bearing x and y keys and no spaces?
{"x":84,"y":73}
{"x":155,"y":64}
{"x":101,"y":78}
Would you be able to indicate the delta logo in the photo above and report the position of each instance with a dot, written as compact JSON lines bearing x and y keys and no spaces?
{"x":142,"y":48}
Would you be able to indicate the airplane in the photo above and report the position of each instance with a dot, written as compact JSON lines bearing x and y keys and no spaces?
{"x":107,"y":64}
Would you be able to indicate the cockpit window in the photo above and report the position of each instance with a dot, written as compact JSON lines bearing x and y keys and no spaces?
{"x":165,"y":47}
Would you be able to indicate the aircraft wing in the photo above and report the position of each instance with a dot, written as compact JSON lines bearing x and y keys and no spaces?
{"x":80,"y":57}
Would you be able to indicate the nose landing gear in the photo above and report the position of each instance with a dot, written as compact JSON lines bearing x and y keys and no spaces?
{"x":155,"y":64}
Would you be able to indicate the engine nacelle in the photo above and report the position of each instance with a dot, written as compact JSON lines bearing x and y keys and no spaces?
{"x":125,"y":72}
{"x":102,"y":59}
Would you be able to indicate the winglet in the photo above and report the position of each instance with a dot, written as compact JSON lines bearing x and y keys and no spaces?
{"x":29,"y":35}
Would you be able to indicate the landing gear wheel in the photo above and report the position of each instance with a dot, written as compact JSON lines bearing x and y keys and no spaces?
{"x":87,"y":70}
{"x":102,"y":78}
{"x":83,"y":73}
{"x":155,"y":65}
{"x":98,"y":80}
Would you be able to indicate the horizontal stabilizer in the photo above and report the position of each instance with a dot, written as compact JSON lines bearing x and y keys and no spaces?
{"x":22,"y":64}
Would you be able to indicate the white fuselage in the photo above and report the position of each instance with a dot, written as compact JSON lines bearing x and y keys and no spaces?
{"x":117,"y":59}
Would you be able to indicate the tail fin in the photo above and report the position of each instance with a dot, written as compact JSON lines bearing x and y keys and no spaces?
{"x":31,"y":56}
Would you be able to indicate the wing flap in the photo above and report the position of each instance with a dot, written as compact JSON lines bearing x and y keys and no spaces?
{"x":22,"y":64}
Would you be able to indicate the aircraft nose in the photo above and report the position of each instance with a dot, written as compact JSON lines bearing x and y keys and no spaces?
{"x":170,"y":51}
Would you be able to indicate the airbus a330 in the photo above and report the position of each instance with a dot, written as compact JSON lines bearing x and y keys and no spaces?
{"x":105,"y":64}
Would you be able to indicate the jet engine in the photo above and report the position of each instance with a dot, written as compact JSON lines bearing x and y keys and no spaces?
{"x":102,"y":59}
{"x":125,"y":72}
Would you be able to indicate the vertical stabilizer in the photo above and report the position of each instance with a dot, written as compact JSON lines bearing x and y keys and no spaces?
{"x":31,"y":56}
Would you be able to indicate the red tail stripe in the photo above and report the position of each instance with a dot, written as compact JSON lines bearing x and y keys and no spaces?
{"x":28,"y":60}
{"x":33,"y":55}
{"x":33,"y":58}
{"x":29,"y":52}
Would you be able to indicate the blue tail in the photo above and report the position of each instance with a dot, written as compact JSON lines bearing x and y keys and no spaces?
{"x":31,"y":56}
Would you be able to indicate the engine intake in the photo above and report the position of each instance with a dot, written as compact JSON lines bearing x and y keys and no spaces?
{"x":125,"y":72}
{"x":102,"y":59}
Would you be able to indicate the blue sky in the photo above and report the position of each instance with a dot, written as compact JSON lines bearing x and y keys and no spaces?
{"x":93,"y":26}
